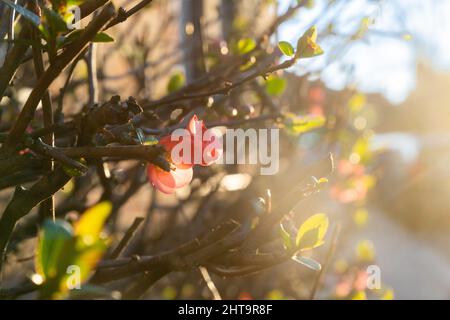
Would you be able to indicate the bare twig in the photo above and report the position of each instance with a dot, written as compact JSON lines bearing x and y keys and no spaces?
{"x":126,"y":238}
{"x":47,"y":206}
{"x":123,"y":14}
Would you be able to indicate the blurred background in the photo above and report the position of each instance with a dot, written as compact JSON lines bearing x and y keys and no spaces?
{"x":383,"y":86}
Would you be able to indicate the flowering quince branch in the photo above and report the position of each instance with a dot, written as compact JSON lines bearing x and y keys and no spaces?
{"x":224,"y":88}
{"x":114,"y":131}
{"x":219,"y":246}
{"x":70,"y":53}
{"x":24,"y":200}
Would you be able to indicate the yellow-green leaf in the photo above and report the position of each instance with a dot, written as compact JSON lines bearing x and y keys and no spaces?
{"x":307,"y":46}
{"x":275,"y":86}
{"x":301,"y":124}
{"x":91,"y":223}
{"x":286,"y":48}
{"x":102,"y":37}
{"x":312,"y":232}
{"x":246,"y":45}
{"x":176,"y":81}
{"x":363,"y":28}
{"x":88,"y":258}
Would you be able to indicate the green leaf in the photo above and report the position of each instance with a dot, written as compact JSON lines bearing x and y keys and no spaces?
{"x":363,"y":28}
{"x":88,"y":228}
{"x":102,"y":37}
{"x":275,"y":86}
{"x":88,"y":257}
{"x":312,"y":232}
{"x":286,"y":48}
{"x":308,"y":262}
{"x":246,"y":45}
{"x":176,"y":81}
{"x":54,"y":249}
{"x":24,"y":12}
{"x":55,"y":22}
{"x":60,"y":246}
{"x":307,"y":46}
{"x":74,"y":2}
{"x":298,"y":124}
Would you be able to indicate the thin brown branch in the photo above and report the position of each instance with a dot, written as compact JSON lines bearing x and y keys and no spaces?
{"x":223,"y":89}
{"x":123,"y":15}
{"x":53,"y":153}
{"x":47,"y":207}
{"x":149,"y":153}
{"x":126,"y":238}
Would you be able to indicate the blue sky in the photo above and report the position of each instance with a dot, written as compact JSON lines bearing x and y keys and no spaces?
{"x":383,"y":61}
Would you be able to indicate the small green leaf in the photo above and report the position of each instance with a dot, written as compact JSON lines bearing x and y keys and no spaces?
{"x":275,"y":86}
{"x":307,"y":46}
{"x":176,"y":81}
{"x":88,"y":257}
{"x":55,"y":22}
{"x":301,"y":124}
{"x":88,"y":228}
{"x":363,"y":28}
{"x":286,"y":48}
{"x":54,"y":247}
{"x":246,"y":45}
{"x":312,"y":232}
{"x":102,"y":37}
{"x":24,"y":12}
{"x":308,"y":262}
{"x":74,"y":2}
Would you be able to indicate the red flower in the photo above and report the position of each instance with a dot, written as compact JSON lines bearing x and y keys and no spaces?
{"x":200,"y":152}
{"x":206,"y":145}
{"x":167,"y":182}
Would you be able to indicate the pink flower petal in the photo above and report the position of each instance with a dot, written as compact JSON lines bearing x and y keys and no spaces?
{"x":167,"y":182}
{"x":182,"y":176}
{"x":193,"y":125}
{"x":155,"y":174}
